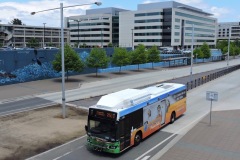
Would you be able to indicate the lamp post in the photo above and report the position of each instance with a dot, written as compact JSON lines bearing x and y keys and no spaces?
{"x":62,"y":48}
{"x":229,"y":39}
{"x":192,"y":52}
{"x":101,"y":39}
{"x":132,"y":40}
{"x":44,"y":35}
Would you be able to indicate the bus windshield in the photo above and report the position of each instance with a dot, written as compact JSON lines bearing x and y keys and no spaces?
{"x":103,"y":129}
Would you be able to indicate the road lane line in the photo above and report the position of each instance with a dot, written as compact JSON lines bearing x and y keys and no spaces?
{"x":34,"y":157}
{"x":2,"y":114}
{"x":171,"y":136}
{"x":62,"y":155}
{"x":146,"y":157}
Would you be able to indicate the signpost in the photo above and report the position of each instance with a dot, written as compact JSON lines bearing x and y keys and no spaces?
{"x":211,"y":96}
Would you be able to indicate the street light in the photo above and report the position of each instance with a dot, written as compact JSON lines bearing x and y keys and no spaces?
{"x":44,"y":35}
{"x":101,"y":39}
{"x":132,"y":40}
{"x":192,"y":51}
{"x":229,"y":39}
{"x":62,"y":48}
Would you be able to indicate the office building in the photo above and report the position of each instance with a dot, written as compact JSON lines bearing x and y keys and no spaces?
{"x":167,"y":24}
{"x":20,"y":35}
{"x":99,"y":27}
{"x":229,"y":28}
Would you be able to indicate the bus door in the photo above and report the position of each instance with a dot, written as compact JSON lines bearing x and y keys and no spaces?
{"x":125,"y":133}
{"x":163,"y":110}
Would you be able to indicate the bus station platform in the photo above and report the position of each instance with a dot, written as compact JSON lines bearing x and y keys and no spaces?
{"x":220,"y":141}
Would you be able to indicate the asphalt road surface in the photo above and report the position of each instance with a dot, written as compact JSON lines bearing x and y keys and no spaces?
{"x":153,"y":147}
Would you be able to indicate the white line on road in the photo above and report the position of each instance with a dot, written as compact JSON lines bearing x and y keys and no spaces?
{"x":34,"y":157}
{"x":171,"y":136}
{"x":146,"y":157}
{"x":62,"y":155}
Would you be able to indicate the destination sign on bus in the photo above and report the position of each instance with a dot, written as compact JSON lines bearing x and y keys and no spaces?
{"x":103,"y":114}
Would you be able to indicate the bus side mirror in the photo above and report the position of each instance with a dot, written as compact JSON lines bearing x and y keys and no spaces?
{"x":86,"y":128}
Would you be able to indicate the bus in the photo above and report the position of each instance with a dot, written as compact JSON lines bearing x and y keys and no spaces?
{"x":122,"y":119}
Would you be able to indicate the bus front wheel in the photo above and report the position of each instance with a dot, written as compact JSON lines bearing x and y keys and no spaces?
{"x":172,"y":117}
{"x":137,"y":139}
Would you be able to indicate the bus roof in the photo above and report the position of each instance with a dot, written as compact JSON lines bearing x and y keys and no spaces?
{"x":129,"y":100}
{"x":123,"y":99}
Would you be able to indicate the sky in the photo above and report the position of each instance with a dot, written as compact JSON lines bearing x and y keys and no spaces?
{"x":223,"y":10}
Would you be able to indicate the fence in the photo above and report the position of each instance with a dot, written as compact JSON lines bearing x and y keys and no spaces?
{"x":199,"y":81}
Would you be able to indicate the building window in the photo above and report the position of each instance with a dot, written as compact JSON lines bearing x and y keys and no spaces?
{"x":194,"y":17}
{"x":177,"y":20}
{"x":177,"y":33}
{"x":176,"y":40}
{"x":148,"y":14}
{"x":177,"y":27}
{"x":148,"y":21}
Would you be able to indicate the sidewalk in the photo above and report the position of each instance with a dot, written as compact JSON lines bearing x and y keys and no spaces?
{"x":54,"y":85}
{"x":220,"y":141}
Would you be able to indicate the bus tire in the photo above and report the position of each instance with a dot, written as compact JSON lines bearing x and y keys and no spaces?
{"x":137,"y":138}
{"x":172,"y":117}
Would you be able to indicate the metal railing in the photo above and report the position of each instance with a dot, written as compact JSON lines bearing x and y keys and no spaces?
{"x":204,"y":79}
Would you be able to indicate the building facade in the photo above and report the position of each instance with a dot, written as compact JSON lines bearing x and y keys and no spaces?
{"x":20,"y":35}
{"x":167,"y":24}
{"x":229,"y":28}
{"x":98,"y":27}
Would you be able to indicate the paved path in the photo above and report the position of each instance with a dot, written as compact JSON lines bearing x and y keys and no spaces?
{"x":221,"y":140}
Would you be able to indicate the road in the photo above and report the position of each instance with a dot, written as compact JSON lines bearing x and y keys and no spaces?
{"x":156,"y":145}
{"x":96,"y":88}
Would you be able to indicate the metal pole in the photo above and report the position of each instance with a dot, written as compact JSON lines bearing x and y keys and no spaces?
{"x":192,"y":51}
{"x":44,"y":34}
{"x":101,"y":39}
{"x":132,"y":41}
{"x":63,"y":65}
{"x":228,"y":45}
{"x":211,"y":114}
{"x":78,"y":33}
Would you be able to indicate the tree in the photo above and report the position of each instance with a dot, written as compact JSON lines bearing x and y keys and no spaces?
{"x":71,"y":60}
{"x":139,"y":55}
{"x":16,"y":21}
{"x":221,"y":44}
{"x":97,"y":59}
{"x":206,"y":50}
{"x":197,"y":52}
{"x":153,"y":55}
{"x":121,"y":57}
{"x":110,"y":45}
{"x":33,"y":42}
{"x":236,"y":51}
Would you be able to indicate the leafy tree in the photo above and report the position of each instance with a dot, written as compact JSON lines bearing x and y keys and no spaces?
{"x":206,"y":50}
{"x":153,"y":55}
{"x":237,"y":42}
{"x":225,"y":50}
{"x":97,"y":59}
{"x":197,"y":52}
{"x":139,"y":55}
{"x":16,"y":21}
{"x":121,"y":57}
{"x":221,"y":44}
{"x":110,"y":45}
{"x":71,"y":60}
{"x":33,"y":42}
{"x":237,"y":50}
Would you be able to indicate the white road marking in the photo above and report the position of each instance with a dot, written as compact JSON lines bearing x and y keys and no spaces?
{"x":170,"y":137}
{"x":62,"y":155}
{"x":34,"y":157}
{"x":146,"y":157}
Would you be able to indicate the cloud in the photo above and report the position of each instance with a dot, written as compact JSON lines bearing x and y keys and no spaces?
{"x":11,"y":10}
